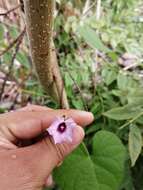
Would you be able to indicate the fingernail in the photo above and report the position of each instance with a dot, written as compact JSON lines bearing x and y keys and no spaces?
{"x":90,"y":115}
{"x":49,"y":181}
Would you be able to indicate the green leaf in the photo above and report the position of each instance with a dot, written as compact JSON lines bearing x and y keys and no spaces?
{"x":93,"y":128}
{"x":77,"y":103}
{"x":2,"y":110}
{"x":135,"y":96}
{"x":92,"y":38}
{"x":109,"y":75}
{"x":128,"y":111}
{"x":23,"y":59}
{"x":103,"y":172}
{"x":113,"y":56}
{"x":109,"y":158}
{"x":124,"y":82}
{"x":135,"y":143}
{"x":13,"y":31}
{"x":7,"y":58}
{"x":127,"y":183}
{"x":77,"y":172}
{"x":68,"y":80}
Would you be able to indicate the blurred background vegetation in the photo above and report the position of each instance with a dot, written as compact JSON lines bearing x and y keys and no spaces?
{"x":100,"y":52}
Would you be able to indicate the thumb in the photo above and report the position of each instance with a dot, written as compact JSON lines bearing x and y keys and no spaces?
{"x":46,"y":155}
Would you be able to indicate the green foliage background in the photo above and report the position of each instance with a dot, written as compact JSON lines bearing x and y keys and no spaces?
{"x":102,"y":66}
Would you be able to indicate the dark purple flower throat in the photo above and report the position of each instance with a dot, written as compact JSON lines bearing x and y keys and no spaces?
{"x":62,"y":127}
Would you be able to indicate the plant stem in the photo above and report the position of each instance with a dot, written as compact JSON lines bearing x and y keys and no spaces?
{"x":131,"y":121}
{"x":98,"y":10}
{"x":39,"y":21}
{"x":11,"y":10}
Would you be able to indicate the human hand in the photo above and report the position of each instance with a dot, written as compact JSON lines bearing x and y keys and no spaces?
{"x":28,"y":167}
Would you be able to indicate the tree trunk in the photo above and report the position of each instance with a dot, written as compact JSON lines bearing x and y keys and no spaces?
{"x":39,"y":22}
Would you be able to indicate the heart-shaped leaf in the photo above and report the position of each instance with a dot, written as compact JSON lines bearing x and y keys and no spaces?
{"x":108,"y":157}
{"x":102,"y":171}
{"x":77,"y":172}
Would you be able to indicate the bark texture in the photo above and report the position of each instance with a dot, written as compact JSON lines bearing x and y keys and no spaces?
{"x":39,"y":22}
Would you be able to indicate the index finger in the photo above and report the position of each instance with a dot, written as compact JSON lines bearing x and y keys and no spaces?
{"x":29,"y":124}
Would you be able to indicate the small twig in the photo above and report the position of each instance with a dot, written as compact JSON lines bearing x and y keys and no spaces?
{"x":5,"y":24}
{"x":14,"y":102}
{"x":131,"y":121}
{"x":9,"y":11}
{"x":130,"y":66}
{"x":93,"y":4}
{"x":98,"y":10}
{"x":10,"y":77}
{"x":95,"y":70}
{"x":12,"y":62}
{"x":86,"y":6}
{"x":83,"y":101}
{"x":33,"y":93}
{"x":13,"y":42}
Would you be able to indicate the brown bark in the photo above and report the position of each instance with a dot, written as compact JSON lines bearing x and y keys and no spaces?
{"x":39,"y":21}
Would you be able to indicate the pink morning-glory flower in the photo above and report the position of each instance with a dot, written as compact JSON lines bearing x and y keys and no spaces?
{"x":62,"y":129}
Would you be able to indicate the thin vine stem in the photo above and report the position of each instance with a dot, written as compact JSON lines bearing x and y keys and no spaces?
{"x":131,"y":121}
{"x":11,"y":10}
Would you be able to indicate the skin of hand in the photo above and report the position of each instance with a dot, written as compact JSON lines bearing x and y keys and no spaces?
{"x":29,"y":167}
